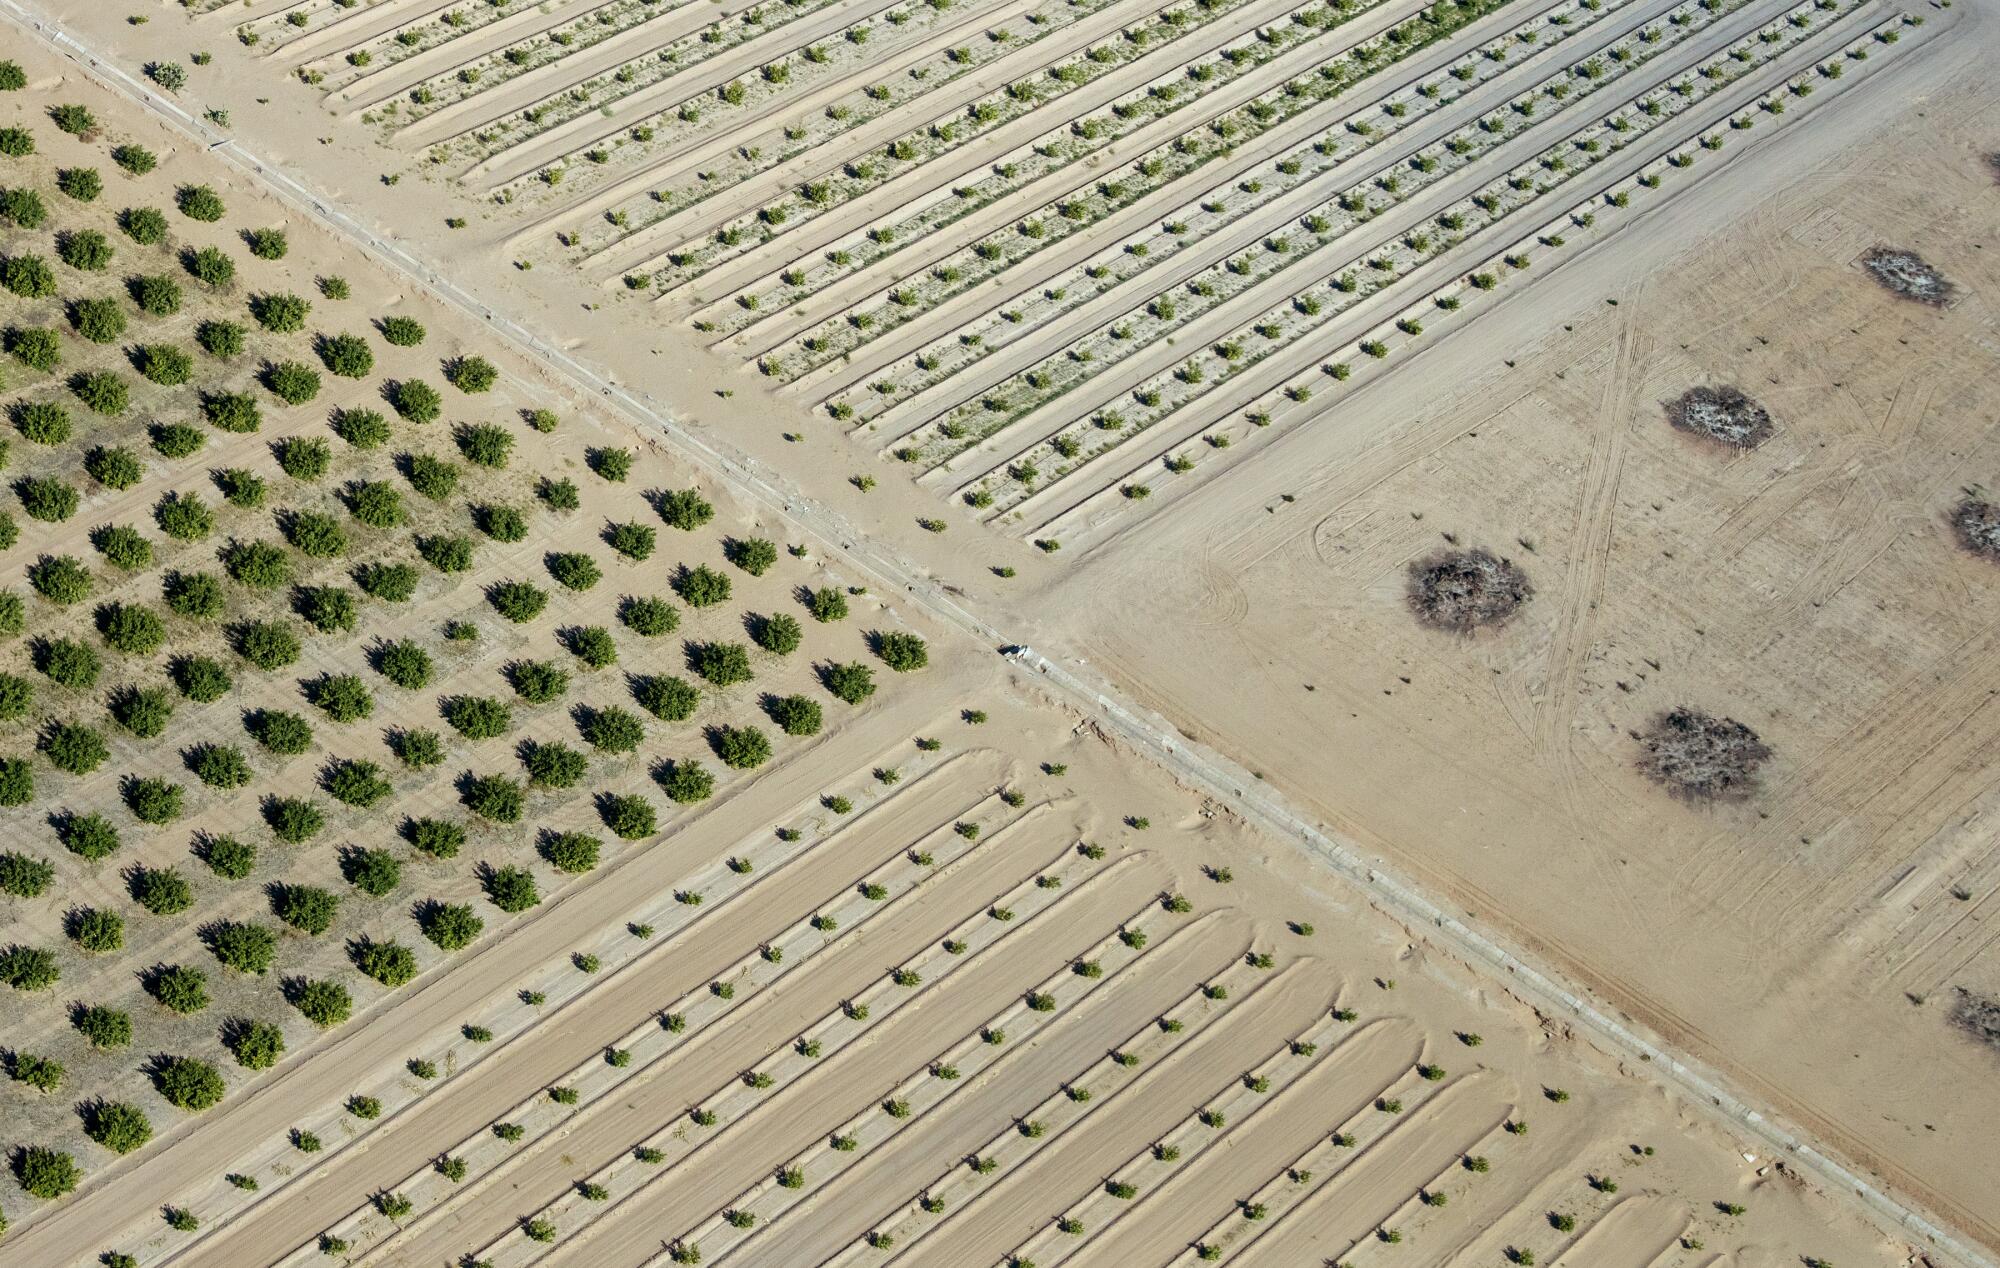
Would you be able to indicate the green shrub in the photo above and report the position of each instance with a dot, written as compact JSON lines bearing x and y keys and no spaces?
{"x":188,"y":1083}
{"x":47,"y":499}
{"x":753,"y":555}
{"x":85,"y":250}
{"x":610,"y":464}
{"x":292,"y":382}
{"x":634,"y":541}
{"x":416,"y":400}
{"x":195,"y":595}
{"x":478,"y":717}
{"x":144,"y":225}
{"x":200,"y":679}
{"x":220,"y":766}
{"x":701,"y":586}
{"x":446,"y":553}
{"x":199,"y":202}
{"x":16,"y":142}
{"x":405,"y":664}
{"x":433,"y":477}
{"x":687,"y":781}
{"x":501,"y":523}
{"x":419,"y":750}
{"x":186,"y":518}
{"x":157,"y":295}
{"x":403,"y":332}
{"x":373,"y":872}
{"x":666,"y":697}
{"x":901,"y":651}
{"x":137,"y":160}
{"x":518,"y":601}
{"x":342,"y":697}
{"x":177,"y":440}
{"x":256,"y":1045}
{"x":96,"y":930}
{"x":112,"y":467}
{"x":649,"y":616}
{"x":356,"y":782}
{"x":103,"y":1028}
{"x":495,"y":797}
{"x":227,"y":857}
{"x":73,"y":747}
{"x":362,"y":428}
{"x":628,"y":817}
{"x":24,"y":207}
{"x":36,"y":347}
{"x":308,"y":908}
{"x":28,"y":968}
{"x":391,"y":583}
{"x":685,"y":509}
{"x":572,"y":853}
{"x":220,"y":339}
{"x":25,"y":877}
{"x":165,"y":364}
{"x":575,"y":571}
{"x":471,"y":374}
{"x":209,"y":266}
{"x":779,"y":634}
{"x":294,"y":820}
{"x":243,"y":946}
{"x":241,"y":487}
{"x":485,"y":444}
{"x":304,"y":457}
{"x":154,"y":801}
{"x":84,"y":184}
{"x":102,"y":392}
{"x":266,"y":244}
{"x":795,"y":715}
{"x":68,"y":663}
{"x":131,"y":629}
{"x":119,"y":1127}
{"x":852,"y":682}
{"x":449,"y":926}
{"x":12,"y":77}
{"x":741,"y":747}
{"x":44,"y":1074}
{"x":511,"y":889}
{"x":439,"y":838}
{"x":612,"y":730}
{"x":269,"y":645}
{"x":390,"y":963}
{"x":17,"y":783}
{"x":591,"y":644}
{"x":123,"y":547}
{"x":61,"y":579}
{"x":327,"y":1004}
{"x":559,"y":495}
{"x":280,"y":313}
{"x":723,"y":664}
{"x":376,"y":503}
{"x":235,"y":412}
{"x":46,"y":1173}
{"x":28,"y":276}
{"x":179,"y":988}
{"x":554,"y":765}
{"x":17,"y":696}
{"x":537,"y":681}
{"x":282,"y":733}
{"x":143,"y":711}
{"x":314,"y":535}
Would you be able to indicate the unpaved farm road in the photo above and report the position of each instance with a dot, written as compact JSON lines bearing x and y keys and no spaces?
{"x":1075,"y":682}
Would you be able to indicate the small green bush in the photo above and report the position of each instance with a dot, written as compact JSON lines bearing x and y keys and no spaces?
{"x":199,"y":202}
{"x":280,"y":313}
{"x":416,"y":400}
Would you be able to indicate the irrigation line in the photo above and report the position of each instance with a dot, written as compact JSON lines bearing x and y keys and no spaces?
{"x":1213,"y":773}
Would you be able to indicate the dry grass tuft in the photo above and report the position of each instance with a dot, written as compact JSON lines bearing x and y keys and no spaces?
{"x":1977,"y":522}
{"x":1905,"y":273}
{"x":1465,"y":591}
{"x":1721,"y":414}
{"x":1702,"y":757}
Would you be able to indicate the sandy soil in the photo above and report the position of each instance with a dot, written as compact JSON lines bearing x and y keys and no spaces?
{"x":1734,"y":930}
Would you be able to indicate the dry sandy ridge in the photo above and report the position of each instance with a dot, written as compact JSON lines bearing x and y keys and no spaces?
{"x":1478,"y":1224}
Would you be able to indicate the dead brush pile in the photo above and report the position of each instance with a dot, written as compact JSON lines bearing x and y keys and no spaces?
{"x":1907,"y":274}
{"x":1977,"y":523}
{"x":1978,"y":1016}
{"x":1721,"y":414}
{"x":1464,"y":591}
{"x":1701,"y":757}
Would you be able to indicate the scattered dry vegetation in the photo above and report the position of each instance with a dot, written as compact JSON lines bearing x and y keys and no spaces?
{"x":1906,"y":273}
{"x":1721,"y":414}
{"x":1702,"y":757}
{"x":1976,"y":520}
{"x":1465,"y":591}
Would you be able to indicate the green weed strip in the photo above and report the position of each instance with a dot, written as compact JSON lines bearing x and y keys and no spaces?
{"x":833,"y":923}
{"x":844,"y":333}
{"x":671,"y":919}
{"x":633,"y":218}
{"x":1316,"y":304}
{"x":965,"y":1186}
{"x":631,"y":1173}
{"x":927,"y":1088}
{"x":1068,"y":141}
{"x":1358,"y":360}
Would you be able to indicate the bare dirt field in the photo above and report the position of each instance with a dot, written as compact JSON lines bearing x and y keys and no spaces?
{"x":1546,"y":442}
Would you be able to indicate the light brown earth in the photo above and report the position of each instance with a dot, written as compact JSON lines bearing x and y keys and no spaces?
{"x":1805,"y":942}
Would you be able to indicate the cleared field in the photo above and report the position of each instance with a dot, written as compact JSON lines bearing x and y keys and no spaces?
{"x":661,"y":879}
